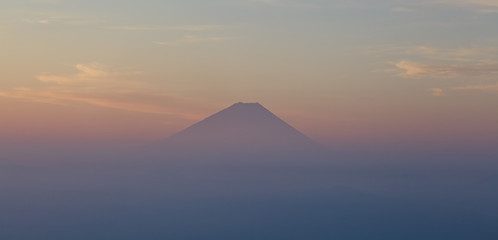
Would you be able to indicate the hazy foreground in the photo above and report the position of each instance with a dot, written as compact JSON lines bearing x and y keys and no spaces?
{"x":71,"y":195}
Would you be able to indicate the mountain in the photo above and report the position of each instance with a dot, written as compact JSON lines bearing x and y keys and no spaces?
{"x":242,"y":127}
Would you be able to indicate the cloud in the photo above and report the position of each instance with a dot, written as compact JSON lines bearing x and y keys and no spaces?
{"x":66,"y":20}
{"x":286,"y":3}
{"x":420,"y":70}
{"x":41,"y":21}
{"x":304,"y":4}
{"x":88,"y":72}
{"x":473,"y":54}
{"x":48,"y":1}
{"x":129,"y":101}
{"x":432,"y":62}
{"x":192,"y":28}
{"x":465,"y":63}
{"x":478,"y":88}
{"x":196,"y":39}
{"x":193,"y":39}
{"x":476,"y":54}
{"x":486,"y":3}
{"x":440,"y":92}
{"x":489,"y":10}
{"x":437,"y":92}
{"x":403,"y":9}
{"x":339,"y":4}
{"x":95,"y":85}
{"x":480,"y":6}
{"x":268,"y":1}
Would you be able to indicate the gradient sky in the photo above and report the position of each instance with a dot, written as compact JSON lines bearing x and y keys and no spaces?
{"x":393,"y":73}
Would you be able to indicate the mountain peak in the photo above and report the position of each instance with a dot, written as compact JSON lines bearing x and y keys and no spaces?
{"x":246,"y":106}
{"x":240,"y":127}
{"x":246,"y":103}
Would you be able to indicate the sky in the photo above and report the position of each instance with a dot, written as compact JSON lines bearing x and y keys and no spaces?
{"x":385,"y":73}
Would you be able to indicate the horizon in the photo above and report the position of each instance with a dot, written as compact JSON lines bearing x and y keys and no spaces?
{"x":338,"y":146}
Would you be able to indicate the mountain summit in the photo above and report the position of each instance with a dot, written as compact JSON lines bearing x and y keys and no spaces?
{"x":240,"y":127}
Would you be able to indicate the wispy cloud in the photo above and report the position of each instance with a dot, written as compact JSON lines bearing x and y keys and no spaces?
{"x":268,"y":1}
{"x":472,"y":54}
{"x":40,"y":21}
{"x":48,"y":1}
{"x":287,"y":3}
{"x":480,"y":6}
{"x":488,"y":3}
{"x":432,"y":62}
{"x":191,"y":28}
{"x":95,"y":85}
{"x":403,"y":9}
{"x":437,"y":92}
{"x":193,"y":39}
{"x":478,"y":88}
{"x":493,"y":87}
{"x":86,"y":73}
{"x":313,"y":4}
{"x":467,"y":64}
{"x":63,"y":20}
{"x":476,"y":54}
{"x":420,"y":70}
{"x":128,"y":101}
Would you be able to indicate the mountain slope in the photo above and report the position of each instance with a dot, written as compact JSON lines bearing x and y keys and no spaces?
{"x":240,"y":127}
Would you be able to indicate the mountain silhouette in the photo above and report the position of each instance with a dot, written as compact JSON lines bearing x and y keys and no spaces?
{"x":242,"y":127}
